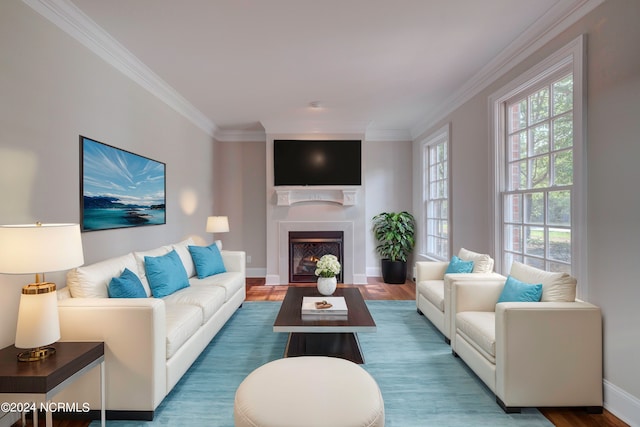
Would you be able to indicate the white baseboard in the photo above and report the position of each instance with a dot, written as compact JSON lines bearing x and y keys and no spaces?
{"x":272,"y":279}
{"x":622,"y":404}
{"x":360,"y":279}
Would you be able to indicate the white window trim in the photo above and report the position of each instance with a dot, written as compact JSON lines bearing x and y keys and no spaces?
{"x":440,"y":135}
{"x":574,"y":53}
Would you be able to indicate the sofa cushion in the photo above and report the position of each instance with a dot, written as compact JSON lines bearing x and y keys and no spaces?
{"x":165,"y":274}
{"x":231,"y":281}
{"x":516,"y":291}
{"x":433,"y":291}
{"x":207,"y":260}
{"x":556,"y":287}
{"x":482,"y":263}
{"x":183,"y":320}
{"x":479,"y":329}
{"x":208,"y":298}
{"x":128,"y":285}
{"x":142,"y":272}
{"x":182,"y":248}
{"x":92,"y":281}
{"x":457,"y":265}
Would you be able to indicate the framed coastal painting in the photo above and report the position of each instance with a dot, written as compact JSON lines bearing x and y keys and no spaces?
{"x":119,"y":189}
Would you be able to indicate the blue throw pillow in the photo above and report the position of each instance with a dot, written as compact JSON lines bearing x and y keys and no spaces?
{"x":165,"y":274}
{"x":207,"y":259}
{"x":128,"y":285}
{"x":517,"y":291}
{"x":456,"y":265}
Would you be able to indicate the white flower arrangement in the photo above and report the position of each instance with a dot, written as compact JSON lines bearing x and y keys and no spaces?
{"x":327,"y":266}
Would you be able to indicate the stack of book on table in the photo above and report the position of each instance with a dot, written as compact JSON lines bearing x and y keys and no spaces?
{"x":324,"y":308}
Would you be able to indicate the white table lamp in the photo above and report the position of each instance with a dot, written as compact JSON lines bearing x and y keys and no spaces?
{"x":218,"y":224}
{"x":39,"y":248}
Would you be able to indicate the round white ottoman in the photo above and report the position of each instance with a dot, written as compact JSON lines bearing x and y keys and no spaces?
{"x":309,"y":391}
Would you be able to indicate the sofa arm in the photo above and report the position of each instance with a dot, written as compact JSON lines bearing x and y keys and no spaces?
{"x":134,"y":333}
{"x":475,"y":295}
{"x":234,"y":261}
{"x":549,"y":354}
{"x":430,"y":270}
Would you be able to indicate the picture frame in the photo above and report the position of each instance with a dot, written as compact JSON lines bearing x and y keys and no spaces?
{"x":118,"y":188}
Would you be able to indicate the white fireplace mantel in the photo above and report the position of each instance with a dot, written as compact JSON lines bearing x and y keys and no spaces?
{"x":343,"y":196}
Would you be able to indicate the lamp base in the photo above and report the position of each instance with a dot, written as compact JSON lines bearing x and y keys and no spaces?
{"x":36,"y":354}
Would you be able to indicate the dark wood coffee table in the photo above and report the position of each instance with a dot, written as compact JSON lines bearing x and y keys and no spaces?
{"x":336,"y":338}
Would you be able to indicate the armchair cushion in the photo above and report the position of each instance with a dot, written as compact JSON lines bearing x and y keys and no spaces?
{"x":479,"y":329}
{"x":433,"y":291}
{"x":516,"y":291}
{"x":482,"y":263}
{"x":556,"y":287}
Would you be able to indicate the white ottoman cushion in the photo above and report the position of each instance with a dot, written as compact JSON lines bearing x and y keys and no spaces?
{"x":310,"y":391}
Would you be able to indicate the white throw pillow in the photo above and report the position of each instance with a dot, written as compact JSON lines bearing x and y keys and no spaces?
{"x":182,"y":248}
{"x":92,"y":281}
{"x":556,"y":287}
{"x":482,"y":263}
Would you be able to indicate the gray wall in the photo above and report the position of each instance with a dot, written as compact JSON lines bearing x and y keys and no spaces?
{"x":53,"y":89}
{"x":613,"y":152}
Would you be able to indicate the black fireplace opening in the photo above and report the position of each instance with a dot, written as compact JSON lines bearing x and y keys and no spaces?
{"x":306,"y":248}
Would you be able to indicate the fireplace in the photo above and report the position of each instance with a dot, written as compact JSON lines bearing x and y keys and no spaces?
{"x":306,"y":248}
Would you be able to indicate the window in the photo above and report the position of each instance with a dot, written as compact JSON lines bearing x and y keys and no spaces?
{"x":539,"y":157}
{"x":436,"y":195}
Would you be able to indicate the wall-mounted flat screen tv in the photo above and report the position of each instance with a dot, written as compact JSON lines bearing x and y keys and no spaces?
{"x":303,"y":162}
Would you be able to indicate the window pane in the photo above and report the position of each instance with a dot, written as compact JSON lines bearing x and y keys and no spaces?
{"x":518,"y":146}
{"x":513,"y":238}
{"x":535,"y":262}
{"x":513,"y":208}
{"x":562,"y":132}
{"x":563,"y":168}
{"x":557,"y":267}
{"x":563,"y":95}
{"x":559,"y":208}
{"x":444,"y":214}
{"x":540,"y":172}
{"x":539,"y":105}
{"x":518,"y":175}
{"x":540,"y":139}
{"x":560,"y":244}
{"x":534,"y":241}
{"x":534,"y":208}
{"x":518,"y":115}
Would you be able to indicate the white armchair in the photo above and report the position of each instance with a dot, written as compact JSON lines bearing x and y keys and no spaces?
{"x":530,"y":354}
{"x":433,"y":287}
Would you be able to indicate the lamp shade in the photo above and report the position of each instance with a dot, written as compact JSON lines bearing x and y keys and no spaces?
{"x":35,"y":248}
{"x":38,"y":323}
{"x":217,"y":224}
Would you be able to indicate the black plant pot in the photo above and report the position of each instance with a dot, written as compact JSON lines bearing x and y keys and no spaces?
{"x":394,"y":272}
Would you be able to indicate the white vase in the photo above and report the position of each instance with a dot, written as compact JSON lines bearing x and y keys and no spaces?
{"x":327,"y":285}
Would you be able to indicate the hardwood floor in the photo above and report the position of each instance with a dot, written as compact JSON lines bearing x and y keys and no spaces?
{"x":377,"y":290}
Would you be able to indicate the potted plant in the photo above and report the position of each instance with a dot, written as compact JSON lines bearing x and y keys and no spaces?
{"x":395,"y":233}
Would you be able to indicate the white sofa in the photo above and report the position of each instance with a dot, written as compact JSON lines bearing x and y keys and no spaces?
{"x":149,"y":342}
{"x":531,"y":354}
{"x":433,"y":287}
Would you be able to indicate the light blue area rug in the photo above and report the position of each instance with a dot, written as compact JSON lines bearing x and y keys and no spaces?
{"x":422,"y":384}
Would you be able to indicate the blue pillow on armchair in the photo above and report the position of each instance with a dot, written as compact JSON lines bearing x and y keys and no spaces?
{"x":208,"y":260}
{"x":456,"y":265}
{"x":516,"y":291}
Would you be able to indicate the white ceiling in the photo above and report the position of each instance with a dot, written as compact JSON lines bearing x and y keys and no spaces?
{"x":385,"y":65}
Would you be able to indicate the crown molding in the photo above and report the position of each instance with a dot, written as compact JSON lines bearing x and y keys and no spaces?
{"x":384,"y":135}
{"x":315,"y":126}
{"x":74,"y":22}
{"x":557,"y":19}
{"x":232,"y":135}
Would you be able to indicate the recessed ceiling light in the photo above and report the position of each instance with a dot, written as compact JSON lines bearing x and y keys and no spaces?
{"x":315,"y":104}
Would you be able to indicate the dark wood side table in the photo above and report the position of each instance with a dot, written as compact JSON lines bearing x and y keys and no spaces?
{"x":33,"y":384}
